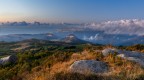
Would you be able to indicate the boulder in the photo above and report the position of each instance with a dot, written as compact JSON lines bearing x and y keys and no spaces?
{"x":128,"y":55}
{"x":108,"y":51}
{"x":8,"y":59}
{"x":89,"y":67}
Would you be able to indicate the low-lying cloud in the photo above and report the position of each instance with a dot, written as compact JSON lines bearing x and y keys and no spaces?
{"x":90,"y":38}
{"x":131,"y":27}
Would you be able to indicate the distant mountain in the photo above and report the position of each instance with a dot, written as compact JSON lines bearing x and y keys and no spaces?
{"x":133,"y":41}
{"x":98,"y":37}
{"x":82,"y":37}
{"x":23,"y":23}
{"x":20,"y":37}
{"x":71,"y":38}
{"x":35,"y":23}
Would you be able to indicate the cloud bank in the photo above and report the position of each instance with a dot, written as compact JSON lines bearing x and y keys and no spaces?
{"x":131,"y":27}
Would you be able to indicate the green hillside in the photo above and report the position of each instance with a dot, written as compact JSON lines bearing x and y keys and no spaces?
{"x":45,"y":60}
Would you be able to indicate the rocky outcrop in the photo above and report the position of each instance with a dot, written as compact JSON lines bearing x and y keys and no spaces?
{"x":71,"y":38}
{"x":89,"y":67}
{"x":108,"y":51}
{"x":128,"y":55}
{"x":8,"y":59}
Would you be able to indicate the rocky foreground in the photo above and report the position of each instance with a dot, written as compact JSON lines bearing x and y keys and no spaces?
{"x":73,"y":62}
{"x":128,"y":55}
{"x":100,"y":67}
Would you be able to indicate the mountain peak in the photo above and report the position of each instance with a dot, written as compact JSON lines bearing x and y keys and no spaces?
{"x":50,"y":34}
{"x":71,"y":38}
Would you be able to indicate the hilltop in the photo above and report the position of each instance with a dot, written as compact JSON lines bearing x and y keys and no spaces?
{"x":58,"y":60}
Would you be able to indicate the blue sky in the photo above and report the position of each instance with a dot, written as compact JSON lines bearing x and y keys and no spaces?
{"x":70,"y":10}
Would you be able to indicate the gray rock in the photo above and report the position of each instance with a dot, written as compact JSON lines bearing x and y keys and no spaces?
{"x":128,"y":55}
{"x":108,"y":51}
{"x":8,"y":59}
{"x":89,"y":66}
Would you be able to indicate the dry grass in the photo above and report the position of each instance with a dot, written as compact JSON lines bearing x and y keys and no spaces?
{"x":119,"y":69}
{"x":122,"y":68}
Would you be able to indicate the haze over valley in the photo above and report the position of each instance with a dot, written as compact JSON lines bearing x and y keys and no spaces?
{"x":121,"y":32}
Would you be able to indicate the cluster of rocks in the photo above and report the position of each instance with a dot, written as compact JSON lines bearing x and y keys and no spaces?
{"x":128,"y":55}
{"x":99,"y":67}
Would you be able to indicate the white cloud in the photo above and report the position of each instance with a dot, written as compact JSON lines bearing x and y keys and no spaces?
{"x":96,"y":37}
{"x":131,"y":26}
